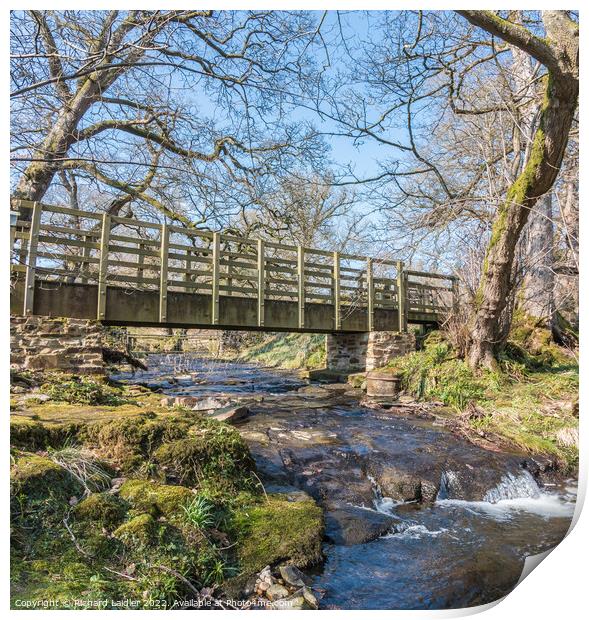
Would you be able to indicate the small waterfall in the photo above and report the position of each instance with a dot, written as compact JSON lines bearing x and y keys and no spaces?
{"x":376,"y":490}
{"x":449,"y":485}
{"x":513,"y":487}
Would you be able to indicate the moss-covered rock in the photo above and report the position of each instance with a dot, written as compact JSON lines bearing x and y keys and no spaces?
{"x":38,"y":477}
{"x":76,"y":389}
{"x":129,"y":442}
{"x":140,"y":530}
{"x":356,"y":380}
{"x":104,"y":509}
{"x":531,"y":342}
{"x":33,"y":435}
{"x":156,"y":499}
{"x":213,"y":453}
{"x":279,"y":531}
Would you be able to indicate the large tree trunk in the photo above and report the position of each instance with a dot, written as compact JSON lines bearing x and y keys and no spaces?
{"x":559,"y":53}
{"x":38,"y":175}
{"x":48,"y":158}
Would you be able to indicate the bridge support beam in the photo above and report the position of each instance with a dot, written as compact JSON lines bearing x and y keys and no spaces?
{"x":366,"y":351}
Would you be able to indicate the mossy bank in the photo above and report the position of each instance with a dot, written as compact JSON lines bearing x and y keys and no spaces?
{"x":530,"y":402}
{"x":131,"y":501}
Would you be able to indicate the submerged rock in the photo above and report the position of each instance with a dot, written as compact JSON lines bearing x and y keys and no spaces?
{"x":314,"y":390}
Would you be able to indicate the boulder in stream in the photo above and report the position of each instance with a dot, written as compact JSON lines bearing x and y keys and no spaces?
{"x":209,"y":403}
{"x":352,"y":525}
{"x":230,"y":413}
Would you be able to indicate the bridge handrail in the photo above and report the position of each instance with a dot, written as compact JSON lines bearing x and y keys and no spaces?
{"x":269,"y":270}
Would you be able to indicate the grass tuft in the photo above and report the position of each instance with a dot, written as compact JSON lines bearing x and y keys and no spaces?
{"x":84,"y":466}
{"x":199,"y":512}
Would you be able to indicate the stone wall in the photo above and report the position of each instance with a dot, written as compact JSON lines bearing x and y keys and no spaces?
{"x":366,"y":351}
{"x":346,"y":352}
{"x":384,"y":346}
{"x":69,"y":345}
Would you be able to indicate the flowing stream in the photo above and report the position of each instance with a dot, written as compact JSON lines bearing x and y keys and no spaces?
{"x":416,"y":517}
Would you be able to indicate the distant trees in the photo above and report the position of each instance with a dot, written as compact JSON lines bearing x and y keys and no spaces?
{"x":308,"y":211}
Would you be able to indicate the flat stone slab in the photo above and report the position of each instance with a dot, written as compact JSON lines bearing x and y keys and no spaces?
{"x":230,"y":413}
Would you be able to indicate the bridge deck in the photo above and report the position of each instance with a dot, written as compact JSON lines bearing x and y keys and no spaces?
{"x":121,"y":271}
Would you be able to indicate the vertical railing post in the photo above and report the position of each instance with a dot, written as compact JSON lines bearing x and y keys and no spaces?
{"x":229,"y":279}
{"x":401,"y":297}
{"x":301,"y":282}
{"x":261,"y":282}
{"x":29,"y":298}
{"x":370,"y":293}
{"x":215,"y":282}
{"x":140,"y":261}
{"x":14,"y":216}
{"x":103,"y":267}
{"x":85,"y":265}
{"x":164,"y":243}
{"x":187,"y":267}
{"x":336,"y":291}
{"x":454,"y":295}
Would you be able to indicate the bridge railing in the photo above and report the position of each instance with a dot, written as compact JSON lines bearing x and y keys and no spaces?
{"x":61,"y":244}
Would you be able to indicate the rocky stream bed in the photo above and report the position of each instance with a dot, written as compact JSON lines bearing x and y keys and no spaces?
{"x":415,"y":515}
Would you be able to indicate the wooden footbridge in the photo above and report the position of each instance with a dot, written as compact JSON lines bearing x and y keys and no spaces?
{"x":122,"y":271}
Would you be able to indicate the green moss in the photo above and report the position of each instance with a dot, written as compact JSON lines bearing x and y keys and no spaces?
{"x":140,"y":530}
{"x":357,"y":379}
{"x":436,"y":373}
{"x":38,"y":477}
{"x":74,"y":389}
{"x":144,"y":526}
{"x":279,"y":531}
{"x":34,"y":435}
{"x":527,"y":401}
{"x":105,"y":509}
{"x":530,"y":343}
{"x":129,"y":442}
{"x":213,"y":453}
{"x":156,"y":499}
{"x":63,"y":580}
